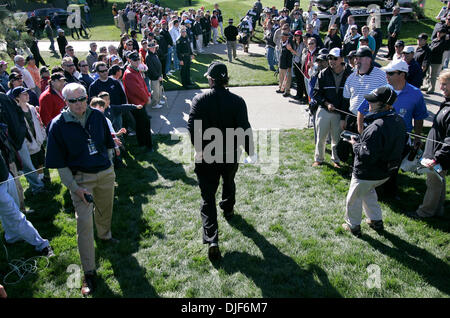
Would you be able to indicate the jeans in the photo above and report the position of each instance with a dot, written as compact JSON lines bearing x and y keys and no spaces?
{"x":14,"y":222}
{"x":32,"y":178}
{"x":271,"y":58}
{"x":176,"y":61}
{"x":169,"y":59}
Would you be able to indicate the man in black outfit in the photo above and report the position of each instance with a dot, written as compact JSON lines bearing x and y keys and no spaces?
{"x":185,"y":55}
{"x":222,"y":110}
{"x":231,"y":33}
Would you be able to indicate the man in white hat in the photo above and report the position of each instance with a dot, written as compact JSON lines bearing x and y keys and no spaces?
{"x":415,"y":74}
{"x":410,"y":105}
{"x":328,"y":94}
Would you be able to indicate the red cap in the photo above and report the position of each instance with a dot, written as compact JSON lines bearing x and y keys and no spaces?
{"x":298,"y":32}
{"x":163,"y":21}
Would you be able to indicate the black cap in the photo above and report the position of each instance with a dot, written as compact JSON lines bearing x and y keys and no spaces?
{"x":423,"y":36}
{"x":14,"y":75}
{"x":364,"y":51}
{"x":133,"y":56}
{"x":383,"y":94}
{"x":322,"y":57}
{"x":19,"y":90}
{"x":29,"y":58}
{"x":217,"y":70}
{"x":57,"y":76}
{"x":364,"y":38}
{"x":351,"y":54}
{"x":324,"y":51}
{"x":399,"y":43}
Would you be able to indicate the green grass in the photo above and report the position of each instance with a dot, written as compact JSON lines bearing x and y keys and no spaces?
{"x":285,"y":240}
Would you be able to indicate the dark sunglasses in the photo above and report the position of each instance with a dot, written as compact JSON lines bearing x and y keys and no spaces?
{"x":102,"y":71}
{"x":69,"y":65}
{"x":334,"y":58}
{"x":391,"y":73}
{"x":83,"y":65}
{"x":79,"y":99}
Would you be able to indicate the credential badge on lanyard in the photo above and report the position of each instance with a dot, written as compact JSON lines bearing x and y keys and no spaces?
{"x":91,"y":147}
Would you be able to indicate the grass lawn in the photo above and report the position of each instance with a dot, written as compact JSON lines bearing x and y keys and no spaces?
{"x":285,"y":240}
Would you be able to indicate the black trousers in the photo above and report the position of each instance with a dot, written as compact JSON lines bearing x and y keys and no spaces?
{"x":186,"y":71}
{"x":163,"y":63}
{"x":208,"y":176}
{"x":391,"y":45}
{"x":299,"y":78}
{"x":143,"y":133}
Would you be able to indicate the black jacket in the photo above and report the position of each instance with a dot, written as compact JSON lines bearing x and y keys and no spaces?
{"x":437,"y":47}
{"x":422,"y":56}
{"x":326,"y":89}
{"x":231,"y":32}
{"x":167,"y":37}
{"x":197,"y":28}
{"x":163,"y":46}
{"x":219,"y":108}
{"x":12,"y":115}
{"x":154,"y":66}
{"x":4,"y":170}
{"x":379,"y":150}
{"x":331,"y":42}
{"x":62,"y":43}
{"x":440,"y":131}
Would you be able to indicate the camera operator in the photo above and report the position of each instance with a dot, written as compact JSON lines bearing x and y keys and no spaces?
{"x":377,"y":152}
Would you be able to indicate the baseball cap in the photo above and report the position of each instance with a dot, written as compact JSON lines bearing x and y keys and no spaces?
{"x":335,"y":52}
{"x":399,"y":43}
{"x":285,"y":34}
{"x":14,"y":75}
{"x":163,"y":21}
{"x":298,"y":32}
{"x":321,"y":57}
{"x":217,"y":70}
{"x":363,"y":51}
{"x":152,"y":44}
{"x":19,"y":90}
{"x":57,"y":76}
{"x":187,"y":21}
{"x":324,"y":51}
{"x":354,"y":26}
{"x":423,"y":36}
{"x":408,"y":49}
{"x":133,"y":56}
{"x":351,"y":54}
{"x":397,"y":65}
{"x":230,"y":20}
{"x":2,"y":62}
{"x":382,"y":94}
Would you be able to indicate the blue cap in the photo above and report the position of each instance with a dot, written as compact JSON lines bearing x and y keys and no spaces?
{"x":19,"y":90}
{"x":187,"y":21}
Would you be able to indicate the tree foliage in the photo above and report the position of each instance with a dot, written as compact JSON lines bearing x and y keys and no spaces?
{"x":12,"y":28}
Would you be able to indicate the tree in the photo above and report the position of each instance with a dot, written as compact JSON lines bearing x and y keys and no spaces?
{"x":13,"y":24}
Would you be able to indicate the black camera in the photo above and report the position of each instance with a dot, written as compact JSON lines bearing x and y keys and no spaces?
{"x":348,"y":135}
{"x":89,"y":198}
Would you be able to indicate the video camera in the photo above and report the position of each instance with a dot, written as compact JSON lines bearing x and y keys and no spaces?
{"x":347,"y":135}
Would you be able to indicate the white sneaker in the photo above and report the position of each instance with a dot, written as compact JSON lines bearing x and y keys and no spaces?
{"x":157,"y":106}
{"x":162,"y":101}
{"x":170,"y":72}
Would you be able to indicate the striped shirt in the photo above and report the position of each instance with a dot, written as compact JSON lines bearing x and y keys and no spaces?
{"x":357,"y":86}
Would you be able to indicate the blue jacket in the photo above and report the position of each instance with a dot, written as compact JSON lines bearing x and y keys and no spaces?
{"x":67,"y":144}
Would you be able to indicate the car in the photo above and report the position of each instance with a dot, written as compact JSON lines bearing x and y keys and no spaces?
{"x":324,"y":5}
{"x":43,"y":13}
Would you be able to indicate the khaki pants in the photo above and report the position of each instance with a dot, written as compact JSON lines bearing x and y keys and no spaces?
{"x":285,"y":83}
{"x":231,"y":48}
{"x":327,"y":122}
{"x":431,"y":76}
{"x":155,"y":86}
{"x":362,"y":196}
{"x":101,"y":186}
{"x":433,"y":201}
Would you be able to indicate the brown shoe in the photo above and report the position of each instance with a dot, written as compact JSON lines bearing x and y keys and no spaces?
{"x":356,"y":231}
{"x":316,"y":164}
{"x":336,"y":165}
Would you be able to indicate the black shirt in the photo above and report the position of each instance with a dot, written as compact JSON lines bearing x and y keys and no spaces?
{"x":231,"y":32}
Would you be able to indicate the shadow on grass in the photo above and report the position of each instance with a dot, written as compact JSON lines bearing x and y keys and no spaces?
{"x":276,"y":274}
{"x":417,"y":259}
{"x":130,"y":224}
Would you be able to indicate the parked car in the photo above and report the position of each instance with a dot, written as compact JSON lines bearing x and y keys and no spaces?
{"x":324,"y":5}
{"x":42,"y":14}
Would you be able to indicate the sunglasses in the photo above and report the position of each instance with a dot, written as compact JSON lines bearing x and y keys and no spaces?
{"x":69,"y":65}
{"x":391,"y":73}
{"x":79,"y":99}
{"x":83,"y":65}
{"x":332,"y":58}
{"x":102,"y":71}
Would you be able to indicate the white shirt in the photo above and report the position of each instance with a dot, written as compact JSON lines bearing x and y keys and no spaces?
{"x":175,"y":34}
{"x":27,"y":78}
